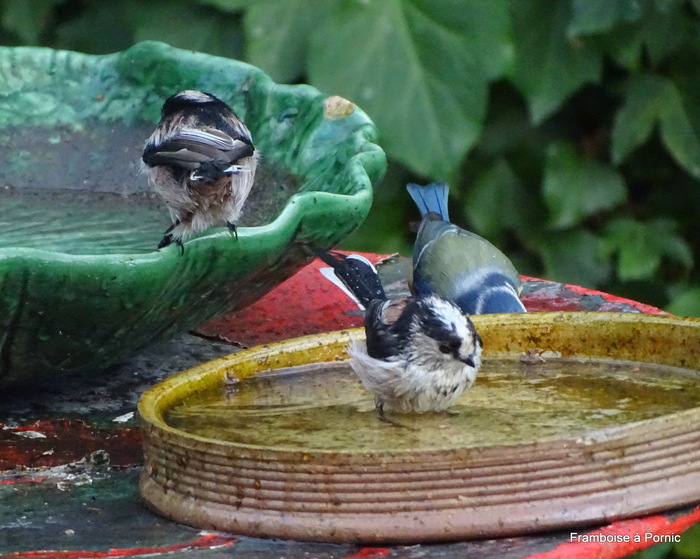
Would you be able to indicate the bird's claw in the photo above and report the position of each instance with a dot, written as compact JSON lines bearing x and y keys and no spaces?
{"x":168,"y":239}
{"x":379,"y":407}
{"x":232,"y":227}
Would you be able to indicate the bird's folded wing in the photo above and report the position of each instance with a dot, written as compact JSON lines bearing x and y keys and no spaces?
{"x":171,"y":154}
{"x":207,"y":137}
{"x":191,"y":148}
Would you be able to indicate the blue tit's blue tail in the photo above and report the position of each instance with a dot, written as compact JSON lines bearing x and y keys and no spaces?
{"x":357,"y":274}
{"x":430,"y":198}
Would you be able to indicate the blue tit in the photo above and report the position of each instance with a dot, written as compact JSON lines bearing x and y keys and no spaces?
{"x":458,"y":265}
{"x":420,"y":352}
{"x":201,"y":161}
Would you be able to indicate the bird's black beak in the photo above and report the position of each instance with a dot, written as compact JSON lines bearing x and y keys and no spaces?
{"x":468,"y":361}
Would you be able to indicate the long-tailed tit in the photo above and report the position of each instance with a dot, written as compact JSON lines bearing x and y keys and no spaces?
{"x":201,"y":161}
{"x":420,"y":353}
{"x":458,"y":265}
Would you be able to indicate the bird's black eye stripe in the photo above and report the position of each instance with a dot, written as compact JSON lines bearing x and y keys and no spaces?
{"x":450,"y":346}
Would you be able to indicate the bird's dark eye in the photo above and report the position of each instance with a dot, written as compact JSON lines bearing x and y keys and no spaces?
{"x":444,"y":348}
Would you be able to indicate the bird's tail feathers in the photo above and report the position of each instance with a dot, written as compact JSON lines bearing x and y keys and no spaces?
{"x":354,"y":275}
{"x":329,"y":274}
{"x":430,"y":198}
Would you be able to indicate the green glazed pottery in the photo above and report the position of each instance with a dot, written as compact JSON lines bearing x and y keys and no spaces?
{"x":81,"y":284}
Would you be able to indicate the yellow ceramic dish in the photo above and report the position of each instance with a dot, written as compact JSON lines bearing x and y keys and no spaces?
{"x":635,"y":451}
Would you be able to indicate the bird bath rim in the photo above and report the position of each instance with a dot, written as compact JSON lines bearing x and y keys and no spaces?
{"x":486,"y":491}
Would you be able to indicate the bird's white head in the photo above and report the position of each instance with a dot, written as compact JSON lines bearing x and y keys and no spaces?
{"x":441,"y":333}
{"x":194,"y":96}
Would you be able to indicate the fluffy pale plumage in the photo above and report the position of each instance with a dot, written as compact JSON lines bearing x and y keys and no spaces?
{"x":420,"y":353}
{"x":201,"y":161}
{"x":458,"y":265}
{"x":427,"y":367}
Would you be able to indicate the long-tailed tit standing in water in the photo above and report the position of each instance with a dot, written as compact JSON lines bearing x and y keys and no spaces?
{"x":420,"y":353}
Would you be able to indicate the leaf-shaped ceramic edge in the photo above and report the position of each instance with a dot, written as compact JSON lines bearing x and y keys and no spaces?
{"x":61,"y":312}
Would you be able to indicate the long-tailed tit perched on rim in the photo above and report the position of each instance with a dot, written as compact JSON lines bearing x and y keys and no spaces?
{"x":201,"y":161}
{"x":458,"y":265}
{"x":420,"y":353}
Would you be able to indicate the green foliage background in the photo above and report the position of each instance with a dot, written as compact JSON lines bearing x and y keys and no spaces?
{"x":568,"y":129}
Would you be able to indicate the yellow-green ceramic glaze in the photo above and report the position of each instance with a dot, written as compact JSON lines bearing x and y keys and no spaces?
{"x":530,"y":449}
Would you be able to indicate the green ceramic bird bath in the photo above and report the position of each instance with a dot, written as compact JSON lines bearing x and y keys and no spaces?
{"x":81,"y":284}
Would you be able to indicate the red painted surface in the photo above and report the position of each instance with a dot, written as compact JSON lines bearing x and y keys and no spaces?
{"x":209,"y":541}
{"x":22,"y":479}
{"x":566,"y":297}
{"x":369,"y":553}
{"x":305,"y":304}
{"x":45,"y":444}
{"x":642,"y":529}
{"x":309,"y":304}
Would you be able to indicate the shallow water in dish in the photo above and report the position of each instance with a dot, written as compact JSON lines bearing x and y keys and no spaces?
{"x":80,"y":191}
{"x":81,"y":223}
{"x":306,"y":408}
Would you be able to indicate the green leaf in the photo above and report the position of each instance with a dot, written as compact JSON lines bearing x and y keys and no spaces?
{"x":576,"y":187}
{"x":497,"y":201}
{"x":419,"y":68}
{"x":653,"y":100}
{"x":625,"y":46}
{"x":183,"y":24}
{"x":678,"y":134}
{"x":662,"y":31}
{"x":109,"y":26}
{"x":574,"y":257}
{"x":640,"y":247}
{"x":549,"y":66}
{"x":379,"y":232}
{"x":233,"y":5}
{"x":689,"y":546}
{"x":596,"y":16}
{"x":635,"y":121}
{"x":660,"y":551}
{"x":687,"y":304}
{"x":277,"y":35}
{"x":665,"y":29}
{"x":27,"y":18}
{"x":101,"y":27}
